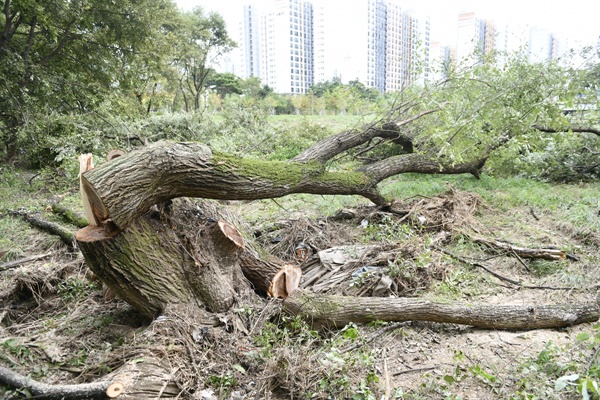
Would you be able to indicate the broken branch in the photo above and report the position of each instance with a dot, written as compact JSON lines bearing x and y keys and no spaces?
{"x":96,"y":390}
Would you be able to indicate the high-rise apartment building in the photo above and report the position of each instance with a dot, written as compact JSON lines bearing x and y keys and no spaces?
{"x":407,"y":48}
{"x":293,"y":44}
{"x":287,"y":46}
{"x":249,"y":42}
{"x":475,"y":37}
{"x":380,"y":48}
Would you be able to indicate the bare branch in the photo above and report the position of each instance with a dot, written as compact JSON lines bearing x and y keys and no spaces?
{"x":333,"y":145}
{"x":576,"y":129}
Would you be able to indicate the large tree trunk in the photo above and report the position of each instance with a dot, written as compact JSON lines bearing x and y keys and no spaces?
{"x":128,"y":186}
{"x":176,"y":254}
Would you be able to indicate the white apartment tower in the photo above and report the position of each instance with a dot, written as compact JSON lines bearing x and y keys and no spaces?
{"x":287,"y":46}
{"x":476,"y":36}
{"x":249,"y":42}
{"x":406,"y":36}
{"x":293,"y":44}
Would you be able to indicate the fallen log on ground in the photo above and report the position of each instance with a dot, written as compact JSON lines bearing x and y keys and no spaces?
{"x":523,"y":252}
{"x":65,"y":235}
{"x":42,"y":391}
{"x":21,"y":261}
{"x":337,"y":311}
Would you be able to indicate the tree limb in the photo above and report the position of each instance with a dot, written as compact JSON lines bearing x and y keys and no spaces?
{"x":576,"y":129}
{"x":337,"y":311}
{"x":96,"y":390}
{"x":419,"y":163}
{"x":66,"y":236}
{"x":16,"y":263}
{"x":333,"y":145}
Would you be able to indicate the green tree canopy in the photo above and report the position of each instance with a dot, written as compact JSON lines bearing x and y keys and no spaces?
{"x":68,"y":56}
{"x":201,"y":39}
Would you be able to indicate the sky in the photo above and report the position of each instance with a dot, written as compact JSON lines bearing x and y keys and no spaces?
{"x":576,"y":21}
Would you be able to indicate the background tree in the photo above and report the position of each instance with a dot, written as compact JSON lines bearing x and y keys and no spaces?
{"x":71,"y":56}
{"x":252,"y":86}
{"x":201,"y":39}
{"x":224,"y":83}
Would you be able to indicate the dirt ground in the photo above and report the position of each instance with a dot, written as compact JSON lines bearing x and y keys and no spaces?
{"x":59,"y":325}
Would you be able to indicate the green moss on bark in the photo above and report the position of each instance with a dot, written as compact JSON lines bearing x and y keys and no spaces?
{"x":285,"y":172}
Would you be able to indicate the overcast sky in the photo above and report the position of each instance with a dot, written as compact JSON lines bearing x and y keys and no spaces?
{"x":577,"y":21}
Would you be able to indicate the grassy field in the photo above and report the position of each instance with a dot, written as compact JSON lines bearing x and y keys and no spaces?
{"x":58,"y":326}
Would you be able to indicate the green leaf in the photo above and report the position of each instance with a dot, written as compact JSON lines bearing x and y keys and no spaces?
{"x":449,"y":378}
{"x":583,"y":336}
{"x":239,"y":368}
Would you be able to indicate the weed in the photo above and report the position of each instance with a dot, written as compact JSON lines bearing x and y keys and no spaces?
{"x":224,"y":382}
{"x":388,"y":230}
{"x":75,"y":288}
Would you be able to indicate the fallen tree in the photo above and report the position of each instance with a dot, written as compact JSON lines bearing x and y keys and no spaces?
{"x":166,"y":255}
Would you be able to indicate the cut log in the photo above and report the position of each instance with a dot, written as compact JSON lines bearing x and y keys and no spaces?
{"x":144,"y":378}
{"x":285,"y":282}
{"x":337,"y":311}
{"x":96,"y":390}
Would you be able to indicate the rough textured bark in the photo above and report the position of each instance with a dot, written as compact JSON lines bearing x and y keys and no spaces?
{"x":129,"y":185}
{"x":125,"y":188}
{"x":95,"y":390}
{"x":176,"y":255}
{"x":337,"y":311}
{"x":146,"y":377}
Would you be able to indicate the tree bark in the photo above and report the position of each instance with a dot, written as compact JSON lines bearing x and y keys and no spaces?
{"x":337,"y":311}
{"x":128,"y":186}
{"x":96,"y":390}
{"x":159,"y":261}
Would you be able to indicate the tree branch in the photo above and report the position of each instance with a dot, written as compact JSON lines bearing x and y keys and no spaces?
{"x":576,"y":129}
{"x":420,"y":164}
{"x":96,"y":390}
{"x":337,"y":311}
{"x":333,"y":145}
